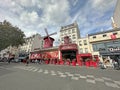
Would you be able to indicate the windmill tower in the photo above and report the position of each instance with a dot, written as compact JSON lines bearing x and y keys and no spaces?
{"x":48,"y":41}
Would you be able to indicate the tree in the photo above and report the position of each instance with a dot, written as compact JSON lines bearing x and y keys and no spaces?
{"x":10,"y":35}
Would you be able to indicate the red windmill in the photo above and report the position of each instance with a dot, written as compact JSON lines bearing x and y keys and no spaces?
{"x":48,"y":41}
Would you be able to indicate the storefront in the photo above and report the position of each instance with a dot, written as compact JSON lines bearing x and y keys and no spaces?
{"x":109,"y":50}
{"x":50,"y":53}
{"x":68,"y":51}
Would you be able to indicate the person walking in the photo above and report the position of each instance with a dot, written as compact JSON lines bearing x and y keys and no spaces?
{"x":27,"y":60}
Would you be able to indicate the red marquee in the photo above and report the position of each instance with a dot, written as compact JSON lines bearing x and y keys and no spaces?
{"x":53,"y":54}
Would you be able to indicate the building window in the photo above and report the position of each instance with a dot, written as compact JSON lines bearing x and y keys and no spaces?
{"x":85,"y":42}
{"x":73,"y":30}
{"x":94,"y":36}
{"x":81,"y":50}
{"x":86,"y":50}
{"x":115,"y":33}
{"x":80,"y":43}
{"x":104,"y":35}
{"x":62,"y":39}
{"x":69,"y":31}
{"x":73,"y":37}
{"x":99,"y":47}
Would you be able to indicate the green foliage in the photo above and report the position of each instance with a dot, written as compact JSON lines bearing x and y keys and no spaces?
{"x":10,"y":35}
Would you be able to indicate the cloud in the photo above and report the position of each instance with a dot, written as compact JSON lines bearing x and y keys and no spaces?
{"x":32,"y":16}
{"x":94,"y":15}
{"x":55,"y":12}
{"x":27,"y":17}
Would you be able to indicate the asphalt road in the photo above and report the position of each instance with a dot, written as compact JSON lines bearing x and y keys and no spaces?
{"x":16,"y":76}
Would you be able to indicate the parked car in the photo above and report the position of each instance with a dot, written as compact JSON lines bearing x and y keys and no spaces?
{"x":16,"y":60}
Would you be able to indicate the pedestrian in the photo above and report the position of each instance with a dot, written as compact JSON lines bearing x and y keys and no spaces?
{"x":27,"y":60}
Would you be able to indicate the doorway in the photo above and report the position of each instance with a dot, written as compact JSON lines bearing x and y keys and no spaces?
{"x":68,"y":54}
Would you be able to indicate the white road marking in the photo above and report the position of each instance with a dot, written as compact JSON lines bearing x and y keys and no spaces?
{"x":117,"y":82}
{"x":70,"y":75}
{"x":63,"y":75}
{"x":111,"y":85}
{"x":99,"y":79}
{"x":84,"y":77}
{"x":91,"y":76}
{"x":90,"y":81}
{"x":40,"y":70}
{"x":75,"y":78}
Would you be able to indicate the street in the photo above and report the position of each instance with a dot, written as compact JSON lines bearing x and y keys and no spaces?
{"x":18,"y":76}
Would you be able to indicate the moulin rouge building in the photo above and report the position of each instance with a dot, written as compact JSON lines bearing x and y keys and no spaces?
{"x":68,"y":48}
{"x":74,"y":48}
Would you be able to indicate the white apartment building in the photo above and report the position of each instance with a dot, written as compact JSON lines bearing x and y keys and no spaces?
{"x":9,"y":50}
{"x":83,"y":45}
{"x":72,"y":31}
{"x":31,"y":44}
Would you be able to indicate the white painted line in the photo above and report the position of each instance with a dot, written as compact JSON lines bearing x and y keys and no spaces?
{"x":67,"y":72}
{"x":31,"y":69}
{"x":62,"y":75}
{"x":35,"y":70}
{"x":40,"y":70}
{"x":90,"y":81}
{"x":99,"y":79}
{"x":105,"y":78}
{"x":111,"y":85}
{"x":75,"y":78}
{"x":84,"y":77}
{"x":91,"y":76}
{"x":46,"y":72}
{"x":117,"y":82}
{"x":70,"y":75}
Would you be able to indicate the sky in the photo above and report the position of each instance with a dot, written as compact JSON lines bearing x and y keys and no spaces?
{"x":32,"y":16}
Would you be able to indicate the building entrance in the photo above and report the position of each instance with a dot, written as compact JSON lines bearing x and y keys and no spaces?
{"x":68,"y":54}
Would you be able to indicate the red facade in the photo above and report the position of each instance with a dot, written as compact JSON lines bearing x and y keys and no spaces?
{"x":51,"y":54}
